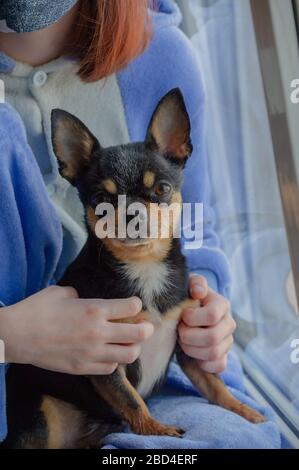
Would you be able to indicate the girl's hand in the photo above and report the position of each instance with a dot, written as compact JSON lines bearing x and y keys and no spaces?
{"x":57,"y":331}
{"x":206,"y":333}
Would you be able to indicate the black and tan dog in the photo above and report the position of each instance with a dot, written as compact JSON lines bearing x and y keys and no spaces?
{"x":51,"y":410}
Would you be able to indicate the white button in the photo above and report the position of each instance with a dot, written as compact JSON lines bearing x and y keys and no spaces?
{"x":39,"y":78}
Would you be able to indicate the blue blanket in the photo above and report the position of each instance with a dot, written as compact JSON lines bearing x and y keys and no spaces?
{"x":207,"y":426}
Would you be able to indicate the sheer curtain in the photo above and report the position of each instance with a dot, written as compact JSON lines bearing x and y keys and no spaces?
{"x":245,"y":192}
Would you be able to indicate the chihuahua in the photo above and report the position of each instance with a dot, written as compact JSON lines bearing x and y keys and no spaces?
{"x":53,"y":410}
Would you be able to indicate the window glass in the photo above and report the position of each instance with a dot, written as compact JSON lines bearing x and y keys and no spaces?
{"x":245,"y":191}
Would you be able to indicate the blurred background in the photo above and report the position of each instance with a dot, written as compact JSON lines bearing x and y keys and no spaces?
{"x":249,"y":56}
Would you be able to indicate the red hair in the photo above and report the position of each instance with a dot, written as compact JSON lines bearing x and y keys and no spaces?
{"x":108,"y":35}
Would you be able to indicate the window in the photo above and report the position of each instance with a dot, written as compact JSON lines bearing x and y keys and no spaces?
{"x":296,"y":9}
{"x":248,"y":51}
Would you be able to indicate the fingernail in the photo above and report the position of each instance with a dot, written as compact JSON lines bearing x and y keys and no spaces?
{"x":150,"y":329}
{"x":198,"y":289}
{"x":138,"y":303}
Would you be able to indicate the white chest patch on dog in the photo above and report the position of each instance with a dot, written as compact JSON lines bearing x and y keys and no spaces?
{"x":155,"y":355}
{"x":152,"y":279}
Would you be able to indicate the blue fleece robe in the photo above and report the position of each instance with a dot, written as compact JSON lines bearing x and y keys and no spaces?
{"x":31,"y":234}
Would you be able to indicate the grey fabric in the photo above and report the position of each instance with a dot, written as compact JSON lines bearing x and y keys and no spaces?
{"x":30,"y":15}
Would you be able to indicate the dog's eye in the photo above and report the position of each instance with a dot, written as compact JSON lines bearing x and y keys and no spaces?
{"x":162,"y":189}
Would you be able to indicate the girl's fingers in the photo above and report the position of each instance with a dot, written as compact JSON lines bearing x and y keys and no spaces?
{"x":209,"y":315}
{"x":206,"y":337}
{"x":118,"y":309}
{"x":59,"y":292}
{"x":119,"y":353}
{"x":209,"y":354}
{"x":101,"y":368}
{"x":122,"y":333}
{"x":198,"y":287}
{"x":212,"y":296}
{"x":216,"y":367}
{"x":114,"y":309}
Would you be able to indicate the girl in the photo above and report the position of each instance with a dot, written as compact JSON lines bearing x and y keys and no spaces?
{"x":109,"y":62}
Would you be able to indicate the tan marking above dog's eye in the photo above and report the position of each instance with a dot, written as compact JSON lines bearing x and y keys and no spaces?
{"x":149,"y":179}
{"x":110,"y":186}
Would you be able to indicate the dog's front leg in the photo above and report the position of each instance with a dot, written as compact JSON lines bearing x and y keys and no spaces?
{"x":212,"y":387}
{"x":119,"y":393}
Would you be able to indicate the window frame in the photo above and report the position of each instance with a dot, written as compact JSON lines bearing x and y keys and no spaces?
{"x":278,"y":70}
{"x":269,"y":18}
{"x":296,"y":10}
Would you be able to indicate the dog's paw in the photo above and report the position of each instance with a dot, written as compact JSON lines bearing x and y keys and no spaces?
{"x":171,"y":431}
{"x":250,"y":414}
{"x":151,"y":427}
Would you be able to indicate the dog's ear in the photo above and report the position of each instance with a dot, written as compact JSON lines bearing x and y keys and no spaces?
{"x":170,"y":128}
{"x":73,"y":144}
